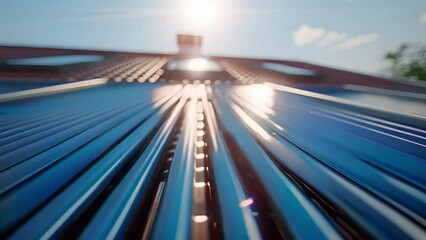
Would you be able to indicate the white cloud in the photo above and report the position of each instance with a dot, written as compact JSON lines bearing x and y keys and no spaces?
{"x":356,"y":41}
{"x":423,"y":18}
{"x":332,"y":37}
{"x":306,"y":35}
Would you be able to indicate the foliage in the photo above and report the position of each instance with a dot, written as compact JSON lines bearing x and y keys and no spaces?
{"x":408,"y":62}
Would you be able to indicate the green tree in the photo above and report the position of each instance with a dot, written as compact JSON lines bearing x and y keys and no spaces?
{"x":408,"y":62}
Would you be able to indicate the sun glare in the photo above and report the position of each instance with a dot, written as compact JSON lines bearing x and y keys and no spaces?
{"x":198,"y":64}
{"x":194,"y":64}
{"x":202,"y":11}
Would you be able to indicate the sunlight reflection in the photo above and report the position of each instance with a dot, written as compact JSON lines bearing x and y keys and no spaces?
{"x":199,"y":144}
{"x":194,"y":64}
{"x":199,"y":184}
{"x":261,"y":94}
{"x":251,"y":123}
{"x":198,"y":64}
{"x":260,"y":98}
{"x":160,"y":92}
{"x":246,"y":202}
{"x":200,"y":169}
{"x":200,"y":218}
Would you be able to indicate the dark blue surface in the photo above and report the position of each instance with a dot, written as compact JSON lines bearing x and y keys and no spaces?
{"x":14,"y":86}
{"x":323,"y":165}
{"x":367,"y":169}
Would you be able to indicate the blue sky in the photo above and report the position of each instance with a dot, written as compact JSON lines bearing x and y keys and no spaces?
{"x":349,"y":34}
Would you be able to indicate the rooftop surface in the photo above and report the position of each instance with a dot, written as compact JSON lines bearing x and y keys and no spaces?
{"x":167,"y":146}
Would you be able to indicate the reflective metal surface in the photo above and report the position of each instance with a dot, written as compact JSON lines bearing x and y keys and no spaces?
{"x":136,"y":156}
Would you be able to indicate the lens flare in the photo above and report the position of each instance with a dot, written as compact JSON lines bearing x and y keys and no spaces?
{"x":202,"y":11}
